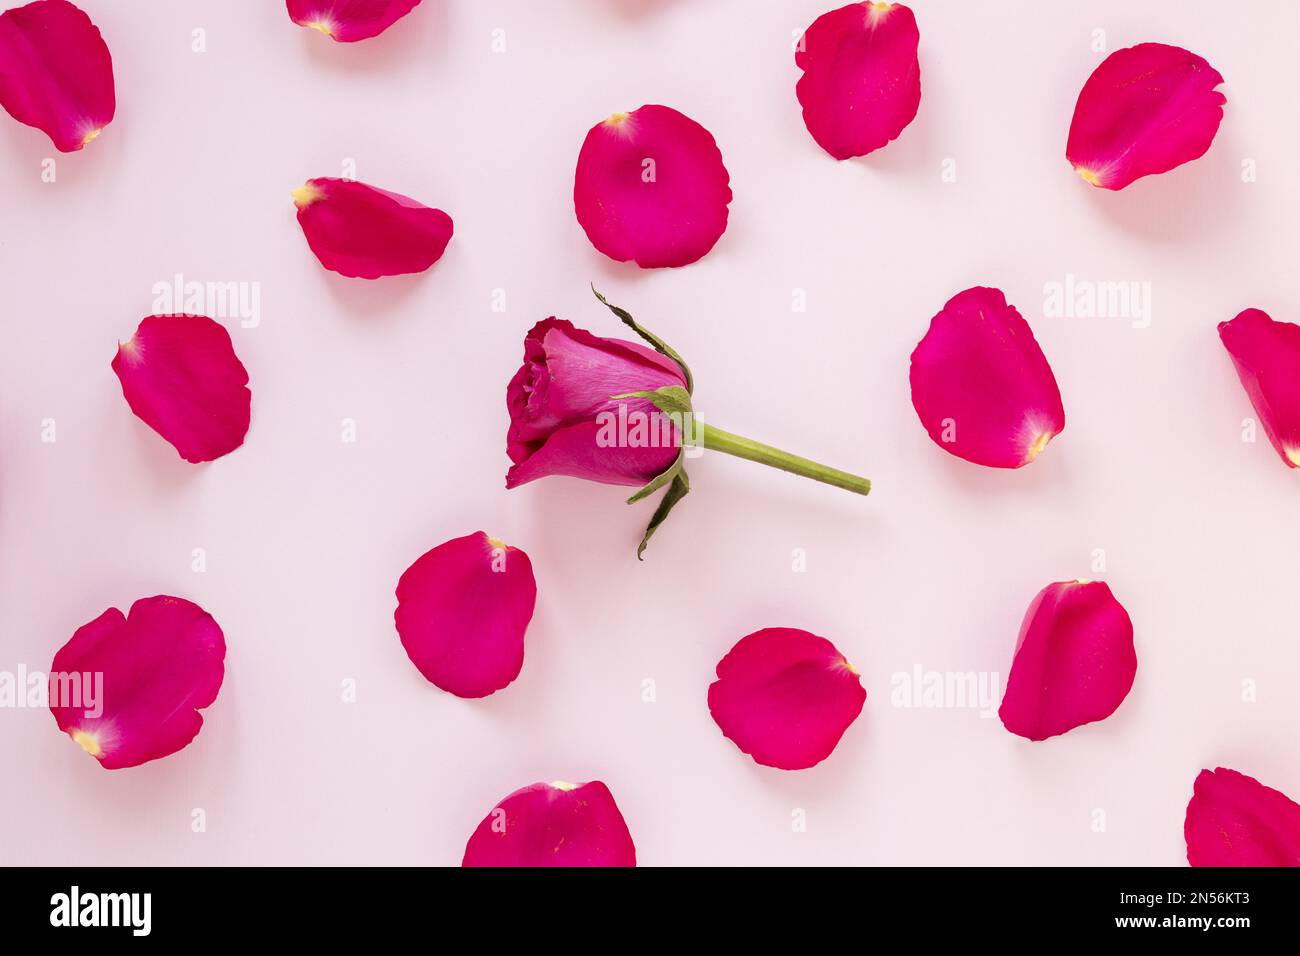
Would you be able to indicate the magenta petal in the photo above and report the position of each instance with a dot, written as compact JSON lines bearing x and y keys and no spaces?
{"x":785,"y":697}
{"x":862,"y":80}
{"x":56,"y":72}
{"x":1266,"y":355}
{"x":349,"y":20}
{"x":553,"y":824}
{"x":155,"y":669}
{"x":1234,"y":820}
{"x":650,"y":187}
{"x":462,"y":610}
{"x":1144,"y":110}
{"x":1074,"y":661}
{"x":364,"y":232}
{"x":981,"y":384}
{"x":181,"y":377}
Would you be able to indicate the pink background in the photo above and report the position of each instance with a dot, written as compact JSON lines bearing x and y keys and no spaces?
{"x":306,"y":535}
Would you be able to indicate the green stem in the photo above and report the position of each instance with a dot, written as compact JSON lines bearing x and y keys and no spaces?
{"x":718,"y":440}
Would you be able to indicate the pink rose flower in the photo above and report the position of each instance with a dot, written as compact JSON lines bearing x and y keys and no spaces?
{"x":620,"y":413}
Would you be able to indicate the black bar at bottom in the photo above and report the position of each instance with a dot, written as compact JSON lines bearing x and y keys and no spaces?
{"x":338,"y":904}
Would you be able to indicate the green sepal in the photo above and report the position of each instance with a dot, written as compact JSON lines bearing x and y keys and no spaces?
{"x":675,"y":493}
{"x":660,"y":346}
{"x":671,"y":400}
{"x":658,"y":481}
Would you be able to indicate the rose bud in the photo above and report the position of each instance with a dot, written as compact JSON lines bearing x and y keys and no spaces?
{"x":620,"y":413}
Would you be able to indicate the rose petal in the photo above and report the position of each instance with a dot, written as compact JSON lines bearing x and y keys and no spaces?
{"x":462,"y":610}
{"x":785,"y":697}
{"x":56,"y":72}
{"x":650,"y":187}
{"x":1234,"y":820}
{"x":862,"y":80}
{"x":181,"y":377}
{"x":553,"y":824}
{"x":1144,"y":110}
{"x":981,"y":385}
{"x":155,"y":669}
{"x":1266,"y":355}
{"x":364,"y":232}
{"x":1074,"y":661}
{"x":349,"y":20}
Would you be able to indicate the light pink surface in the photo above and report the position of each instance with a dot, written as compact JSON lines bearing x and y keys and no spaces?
{"x":305,"y":535}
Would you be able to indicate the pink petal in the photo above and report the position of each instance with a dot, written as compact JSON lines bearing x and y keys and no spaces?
{"x":785,"y":697}
{"x":56,"y":72}
{"x":462,"y":610}
{"x":650,"y":187}
{"x":156,"y":669}
{"x":553,"y":824}
{"x":1074,"y":661}
{"x":364,"y":232}
{"x":981,"y":385}
{"x":349,"y":20}
{"x":1145,"y":110}
{"x":1267,"y":358}
{"x":862,"y":80}
{"x":181,"y":377}
{"x":1234,"y":820}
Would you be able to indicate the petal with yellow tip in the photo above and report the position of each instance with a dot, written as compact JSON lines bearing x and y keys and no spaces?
{"x":56,"y":73}
{"x":347,"y":21}
{"x":982,"y":386}
{"x":128,"y":688}
{"x":1266,"y":355}
{"x":1145,"y":110}
{"x":365,"y":232}
{"x":861,"y":83}
{"x":182,"y":378}
{"x":463,"y":609}
{"x":650,"y":187}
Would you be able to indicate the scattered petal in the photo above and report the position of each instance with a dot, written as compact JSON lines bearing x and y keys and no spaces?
{"x":56,"y":73}
{"x":1074,"y":661}
{"x":181,"y":377}
{"x":364,"y":232}
{"x":129,"y":689}
{"x":650,"y":187}
{"x":347,"y":21}
{"x":1234,"y":820}
{"x":785,"y":697}
{"x":862,"y":80}
{"x":553,"y":824}
{"x":1267,"y":358}
{"x":981,"y":384}
{"x":568,"y":379}
{"x":462,"y":610}
{"x":1145,"y":110}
